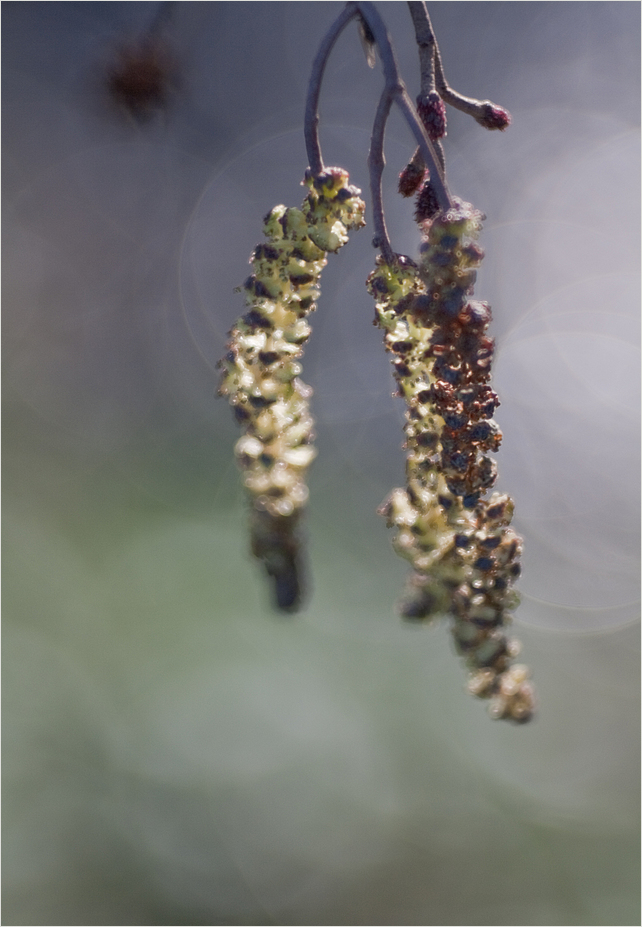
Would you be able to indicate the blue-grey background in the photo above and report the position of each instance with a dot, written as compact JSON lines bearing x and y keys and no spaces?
{"x":175,"y":752}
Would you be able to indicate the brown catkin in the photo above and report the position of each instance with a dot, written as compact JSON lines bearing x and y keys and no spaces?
{"x":463,"y":552}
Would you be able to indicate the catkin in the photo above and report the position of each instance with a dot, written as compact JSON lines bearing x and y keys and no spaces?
{"x":261,"y":369}
{"x":463,"y":553}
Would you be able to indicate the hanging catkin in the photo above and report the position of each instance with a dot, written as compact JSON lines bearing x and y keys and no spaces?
{"x":463,"y":553}
{"x":261,"y":369}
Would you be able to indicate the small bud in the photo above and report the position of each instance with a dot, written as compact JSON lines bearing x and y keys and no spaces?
{"x":410,"y":179}
{"x":494,"y":117}
{"x":367,"y":42}
{"x":432,"y":113}
{"x":427,"y":205}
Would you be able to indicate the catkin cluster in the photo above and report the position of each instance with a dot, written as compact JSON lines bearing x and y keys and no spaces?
{"x":260,"y":371}
{"x":463,"y":553}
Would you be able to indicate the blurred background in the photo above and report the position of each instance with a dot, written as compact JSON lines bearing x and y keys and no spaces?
{"x":175,"y":752}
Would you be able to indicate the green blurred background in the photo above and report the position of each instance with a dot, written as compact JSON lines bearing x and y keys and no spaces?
{"x":174,"y":751}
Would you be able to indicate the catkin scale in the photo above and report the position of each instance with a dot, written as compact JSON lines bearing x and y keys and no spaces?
{"x":261,"y":369}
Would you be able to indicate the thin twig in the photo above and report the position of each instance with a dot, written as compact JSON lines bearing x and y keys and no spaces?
{"x":428,"y":50}
{"x":311,"y":129}
{"x":394,"y":92}
{"x":397,"y":90}
{"x":432,"y":69}
{"x":433,"y":77}
{"x":427,"y":44}
{"x":376,"y":164}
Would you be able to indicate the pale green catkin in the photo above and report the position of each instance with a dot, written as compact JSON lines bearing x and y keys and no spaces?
{"x":261,"y":368}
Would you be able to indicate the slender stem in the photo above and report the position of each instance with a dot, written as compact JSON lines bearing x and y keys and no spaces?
{"x":432,"y":69}
{"x":428,"y":53}
{"x":376,"y":164}
{"x":394,"y":92}
{"x":448,"y":95}
{"x":427,"y":45}
{"x":464,"y":104}
{"x":311,"y":128}
{"x":396,"y":87}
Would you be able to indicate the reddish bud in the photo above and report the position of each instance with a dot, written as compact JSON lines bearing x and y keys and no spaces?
{"x":427,"y":205}
{"x":432,"y":113}
{"x":494,"y":117}
{"x":410,"y":178}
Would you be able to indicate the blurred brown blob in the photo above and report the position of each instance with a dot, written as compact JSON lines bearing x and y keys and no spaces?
{"x":142,"y":77}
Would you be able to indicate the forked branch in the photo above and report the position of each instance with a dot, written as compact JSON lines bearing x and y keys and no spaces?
{"x":394,"y":91}
{"x":433,"y":78}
